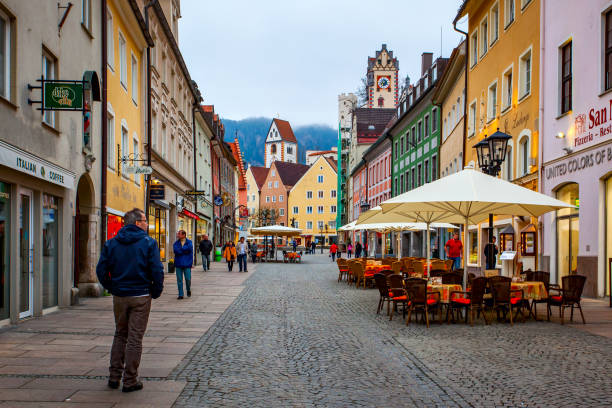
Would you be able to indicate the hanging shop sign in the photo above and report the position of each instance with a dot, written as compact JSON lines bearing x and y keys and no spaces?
{"x":62,"y":95}
{"x":157,"y":192}
{"x":17,"y":159}
{"x":137,"y":169}
{"x":218,"y":200}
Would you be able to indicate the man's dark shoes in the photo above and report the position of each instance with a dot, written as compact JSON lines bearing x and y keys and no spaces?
{"x":136,"y":387}
{"x":113,"y":384}
{"x":179,"y":298}
{"x":188,"y":293}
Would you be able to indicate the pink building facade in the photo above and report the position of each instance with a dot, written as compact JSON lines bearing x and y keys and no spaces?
{"x":576,"y":140}
{"x":359,"y":183}
{"x":378,"y":159}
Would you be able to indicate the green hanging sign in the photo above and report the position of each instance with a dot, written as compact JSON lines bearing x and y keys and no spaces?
{"x":58,"y":95}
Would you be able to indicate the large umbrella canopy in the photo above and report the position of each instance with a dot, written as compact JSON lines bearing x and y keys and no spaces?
{"x":469,"y":196}
{"x":347,"y":227}
{"x":276,"y":230}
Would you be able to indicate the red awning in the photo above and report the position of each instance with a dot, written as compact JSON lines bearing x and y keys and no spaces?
{"x":189,"y":214}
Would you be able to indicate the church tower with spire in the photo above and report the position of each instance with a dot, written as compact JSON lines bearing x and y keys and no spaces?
{"x":382,"y":80}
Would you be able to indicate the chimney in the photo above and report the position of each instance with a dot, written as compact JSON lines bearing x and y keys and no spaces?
{"x":426,"y":60}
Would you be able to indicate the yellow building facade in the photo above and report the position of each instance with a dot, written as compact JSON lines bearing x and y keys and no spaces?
{"x":503,"y":45}
{"x":312,"y":203}
{"x":126,"y":110}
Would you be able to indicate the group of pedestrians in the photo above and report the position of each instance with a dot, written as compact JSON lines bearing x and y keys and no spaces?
{"x":232,"y":252}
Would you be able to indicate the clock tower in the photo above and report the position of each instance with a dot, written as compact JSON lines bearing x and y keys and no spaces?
{"x":382,"y":80}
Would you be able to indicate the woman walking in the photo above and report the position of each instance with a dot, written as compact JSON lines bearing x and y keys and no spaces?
{"x":349,"y":250}
{"x":230,"y":255}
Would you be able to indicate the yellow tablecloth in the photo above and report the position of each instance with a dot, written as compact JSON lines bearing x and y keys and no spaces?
{"x":531,"y":290}
{"x":444,"y":290}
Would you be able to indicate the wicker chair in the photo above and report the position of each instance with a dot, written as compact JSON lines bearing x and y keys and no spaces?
{"x":449,"y":264}
{"x":407,"y":265}
{"x":397,"y":267}
{"x":383,"y":289}
{"x":544,"y":277}
{"x":472,"y":301}
{"x":397,"y":294}
{"x":356,"y":271}
{"x":568,"y":295}
{"x":418,"y":267}
{"x":452,"y":278}
{"x":437,"y":273}
{"x":420,"y":299}
{"x":343,"y":268}
{"x":438,"y":264}
{"x":503,"y":298}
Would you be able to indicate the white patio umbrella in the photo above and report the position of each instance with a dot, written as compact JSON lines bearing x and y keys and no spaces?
{"x":276,"y":230}
{"x":347,"y":227}
{"x":396,"y":222}
{"x":469,"y":196}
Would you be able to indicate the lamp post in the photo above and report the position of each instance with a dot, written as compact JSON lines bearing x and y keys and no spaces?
{"x":491,"y":152}
{"x":363,"y":207}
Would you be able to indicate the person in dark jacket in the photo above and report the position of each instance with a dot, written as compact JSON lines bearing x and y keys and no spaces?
{"x":183,"y":261}
{"x":130,"y":269}
{"x":205,"y":249}
{"x":490,"y":253}
{"x":358,"y":249}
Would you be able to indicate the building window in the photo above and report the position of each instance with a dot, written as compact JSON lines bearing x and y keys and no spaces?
{"x":320,"y":193}
{"x":523,"y":156}
{"x":136,"y":156}
{"x":426,"y":124}
{"x":296,"y":210}
{"x":309,"y":194}
{"x":320,"y":224}
{"x":407,"y":180}
{"x":434,"y":168}
{"x":134,"y":79}
{"x":427,"y":171}
{"x":509,"y":12}
{"x":333,"y":194}
{"x":413,"y":136}
{"x":566,"y":77}
{"x":420,"y":131}
{"x":269,"y":184}
{"x":608,"y":50}
{"x":474,"y":48}
{"x":86,"y":13}
{"x":320,"y":209}
{"x":402,"y":145}
{"x":494,"y":23}
{"x":154,"y":130}
{"x":420,"y":175}
{"x":309,"y":225}
{"x":309,"y":210}
{"x":320,"y":179}
{"x":395,"y":151}
{"x":402,"y":183}
{"x":381,"y":102}
{"x":281,"y":198}
{"x":273,"y":173}
{"x":472,"y":119}
{"x":164,"y":142}
{"x":110,"y":42}
{"x":507,"y":90}
{"x":296,"y":224}
{"x":492,"y":102}
{"x":281,"y":212}
{"x":276,"y":184}
{"x":110,"y":131}
{"x":125,"y":148}
{"x":525,"y":74}
{"x":484,"y":41}
{"x":524,"y":3}
{"x":6,"y":46}
{"x":434,"y":120}
{"x":507,"y":168}
{"x":289,"y":150}
{"x":267,"y":199}
{"x":123,"y":61}
{"x":332,"y":209}
{"x":48,"y":71}
{"x":413,"y":178}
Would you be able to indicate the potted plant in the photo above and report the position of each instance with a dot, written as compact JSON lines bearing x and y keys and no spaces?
{"x":171,"y":265}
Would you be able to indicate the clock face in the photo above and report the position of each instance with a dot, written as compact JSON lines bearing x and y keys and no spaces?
{"x":383,"y":82}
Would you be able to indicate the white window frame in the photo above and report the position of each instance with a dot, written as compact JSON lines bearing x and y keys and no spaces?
{"x":124,"y":141}
{"x":123,"y":60}
{"x":296,"y":209}
{"x":136,"y":149}
{"x":308,"y":194}
{"x":111,"y":146}
{"x":472,"y":118}
{"x":507,"y":21}
{"x":434,"y":115}
{"x":333,"y":193}
{"x":309,"y":209}
{"x":505,"y":105}
{"x":483,"y":47}
{"x":321,"y":194}
{"x":8,"y":48}
{"x":267,"y":199}
{"x":49,"y":117}
{"x":135,"y":77}
{"x":269,"y":184}
{"x":508,"y":163}
{"x":522,"y":166}
{"x":492,"y":105}
{"x":524,"y":4}
{"x":86,"y":13}
{"x":332,"y":209}
{"x":309,"y":225}
{"x":474,"y":48}
{"x":493,"y":38}
{"x":320,"y":209}
{"x":164,"y":142}
{"x":320,"y":178}
{"x":522,"y":78}
{"x":110,"y":41}
{"x":281,"y":212}
{"x":281,"y":198}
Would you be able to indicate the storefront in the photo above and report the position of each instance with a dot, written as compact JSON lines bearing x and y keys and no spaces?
{"x":35,"y":267}
{"x":158,"y":225}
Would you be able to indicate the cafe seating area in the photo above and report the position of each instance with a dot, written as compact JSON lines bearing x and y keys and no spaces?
{"x":433,"y":291}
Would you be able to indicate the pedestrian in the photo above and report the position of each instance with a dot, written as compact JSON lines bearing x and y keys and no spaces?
{"x":332,"y":251}
{"x":453,"y":249}
{"x":242,"y":250}
{"x":253,"y":250}
{"x":313,"y":247}
{"x":294,"y":244}
{"x":349,"y":250}
{"x":490,"y":253}
{"x":205,"y":249}
{"x":230,"y":255}
{"x":358,"y":249}
{"x":183,"y":261}
{"x":130,"y":269}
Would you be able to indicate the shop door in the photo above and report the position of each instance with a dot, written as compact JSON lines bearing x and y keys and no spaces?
{"x":26,"y":254}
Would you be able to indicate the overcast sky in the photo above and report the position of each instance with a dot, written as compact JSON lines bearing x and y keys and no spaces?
{"x":292,"y":58}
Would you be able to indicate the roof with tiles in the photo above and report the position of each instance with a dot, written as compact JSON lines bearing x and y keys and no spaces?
{"x":290,"y":173}
{"x":259,"y":174}
{"x":235,"y":146}
{"x":285,"y":131}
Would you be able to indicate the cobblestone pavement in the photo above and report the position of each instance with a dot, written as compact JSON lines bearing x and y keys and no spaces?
{"x":297,"y":338}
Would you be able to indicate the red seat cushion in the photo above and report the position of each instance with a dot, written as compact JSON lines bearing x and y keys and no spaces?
{"x":515,"y":300}
{"x":556,"y":298}
{"x":404,"y":297}
{"x":462,"y":301}
{"x":432,"y":301}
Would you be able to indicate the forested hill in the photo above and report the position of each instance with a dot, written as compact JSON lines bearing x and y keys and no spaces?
{"x":252,"y":135}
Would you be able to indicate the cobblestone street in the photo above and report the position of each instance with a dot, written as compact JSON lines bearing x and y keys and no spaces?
{"x":296,"y":337}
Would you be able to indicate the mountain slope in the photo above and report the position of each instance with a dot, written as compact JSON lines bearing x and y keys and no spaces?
{"x":252,"y":135}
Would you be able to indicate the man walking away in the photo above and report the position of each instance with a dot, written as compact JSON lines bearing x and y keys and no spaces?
{"x":453,"y":249}
{"x":183,"y":261}
{"x":490,"y":253}
{"x":332,"y":250}
{"x":242,"y":251}
{"x":313,"y":247}
{"x":205,"y":249}
{"x":130,"y":269}
{"x":358,"y":250}
{"x":253,"y":249}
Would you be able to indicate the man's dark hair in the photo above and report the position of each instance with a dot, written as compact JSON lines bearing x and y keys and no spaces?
{"x":132,"y":216}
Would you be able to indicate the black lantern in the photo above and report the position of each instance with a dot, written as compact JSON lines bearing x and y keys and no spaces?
{"x":492,"y":151}
{"x":483,"y":153}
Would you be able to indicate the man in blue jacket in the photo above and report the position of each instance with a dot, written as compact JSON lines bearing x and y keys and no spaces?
{"x":130,"y":269}
{"x":183,"y":261}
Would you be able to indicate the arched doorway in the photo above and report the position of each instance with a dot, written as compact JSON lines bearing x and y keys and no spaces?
{"x":84,"y":231}
{"x":567,"y":231}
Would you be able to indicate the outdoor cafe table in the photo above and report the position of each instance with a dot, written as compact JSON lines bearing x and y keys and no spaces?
{"x":372,"y":267}
{"x":531,"y":290}
{"x":444,"y":290}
